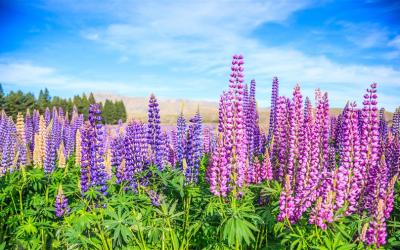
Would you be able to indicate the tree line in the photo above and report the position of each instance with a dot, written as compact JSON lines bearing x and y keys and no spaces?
{"x":17,"y":101}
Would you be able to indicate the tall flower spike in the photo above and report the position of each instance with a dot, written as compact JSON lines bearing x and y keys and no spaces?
{"x":239,"y":149}
{"x":61,"y":204}
{"x":181,"y":138}
{"x":369,"y":144}
{"x":61,"y":156}
{"x":349,"y":178}
{"x":272,"y":114}
{"x":194,"y":150}
{"x":154,"y":133}
{"x":78,"y":148}
{"x":286,"y":203}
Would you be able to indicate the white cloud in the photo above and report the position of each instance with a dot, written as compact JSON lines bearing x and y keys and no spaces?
{"x":395,"y":42}
{"x":197,"y":38}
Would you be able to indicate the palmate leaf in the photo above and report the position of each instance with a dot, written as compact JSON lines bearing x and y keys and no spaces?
{"x":236,"y":230}
{"x":27,"y":228}
{"x":76,"y":239}
{"x":119,"y":223}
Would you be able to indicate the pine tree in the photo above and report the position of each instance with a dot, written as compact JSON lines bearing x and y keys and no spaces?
{"x":2,"y":98}
{"x":91,"y":99}
{"x":108,"y":112}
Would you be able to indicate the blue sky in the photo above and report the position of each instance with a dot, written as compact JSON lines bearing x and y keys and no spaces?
{"x":182,"y":49}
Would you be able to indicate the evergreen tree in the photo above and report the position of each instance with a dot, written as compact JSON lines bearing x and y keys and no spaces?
{"x":44,"y":100}
{"x":91,"y":99}
{"x":108,"y":112}
{"x":120,"y":111}
{"x":2,"y":98}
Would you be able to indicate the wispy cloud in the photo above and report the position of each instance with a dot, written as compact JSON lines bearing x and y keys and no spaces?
{"x":189,"y":44}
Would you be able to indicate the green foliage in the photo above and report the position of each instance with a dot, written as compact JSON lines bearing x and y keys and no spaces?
{"x":189,"y":217}
{"x":113,"y":111}
{"x":15,"y":102}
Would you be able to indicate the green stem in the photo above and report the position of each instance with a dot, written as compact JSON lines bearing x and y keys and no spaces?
{"x":20,"y":202}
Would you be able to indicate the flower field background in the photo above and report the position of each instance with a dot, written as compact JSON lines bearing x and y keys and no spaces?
{"x":311,"y":181}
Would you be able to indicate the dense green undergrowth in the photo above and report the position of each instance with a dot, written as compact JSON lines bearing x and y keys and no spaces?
{"x":189,"y":217}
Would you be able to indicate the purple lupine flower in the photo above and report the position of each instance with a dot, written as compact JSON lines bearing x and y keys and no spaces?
{"x":29,"y":130}
{"x":86,"y":161}
{"x":273,"y":110}
{"x":135,"y":145}
{"x":61,"y":204}
{"x":154,"y":197}
{"x":194,"y":150}
{"x":118,"y":157}
{"x":252,"y":119}
{"x":376,"y":233}
{"x":389,"y":197}
{"x":218,"y":172}
{"x":286,"y":201}
{"x":238,"y":122}
{"x":50,"y":155}
{"x":181,"y":138}
{"x":295,"y":125}
{"x":280,"y":147}
{"x":392,"y":155}
{"x":93,"y":172}
{"x":266,"y":168}
{"x":396,"y":122}
{"x":348,"y":174}
{"x":383,"y":126}
{"x":303,"y":176}
{"x":206,"y":140}
{"x":154,"y":133}
{"x":47,"y":116}
{"x":8,"y":147}
{"x":369,"y":145}
{"x":322,"y":214}
{"x":35,"y":122}
{"x":319,"y":147}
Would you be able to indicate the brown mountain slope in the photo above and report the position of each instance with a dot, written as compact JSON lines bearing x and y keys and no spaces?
{"x":169,"y":109}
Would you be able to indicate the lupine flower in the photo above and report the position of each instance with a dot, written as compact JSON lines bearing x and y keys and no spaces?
{"x":92,"y":144}
{"x":286,"y":203}
{"x":370,"y":145}
{"x":29,"y":132}
{"x":295,"y":125}
{"x":61,"y":156}
{"x":61,"y":204}
{"x":194,"y":149}
{"x":47,"y":116}
{"x":219,"y":171}
{"x":154,"y":133}
{"x":155,"y":198}
{"x":396,"y":122}
{"x":136,"y":158}
{"x":78,"y":148}
{"x":206,"y":140}
{"x":383,"y":126}
{"x":21,"y":140}
{"x":49,"y":162}
{"x":280,"y":147}
{"x":237,"y":122}
{"x":304,"y":183}
{"x":40,"y":143}
{"x":376,"y":233}
{"x":181,"y":138}
{"x":322,"y":214}
{"x":273,"y":110}
{"x":348,"y":176}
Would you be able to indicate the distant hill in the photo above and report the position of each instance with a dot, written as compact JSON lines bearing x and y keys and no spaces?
{"x":136,"y":108}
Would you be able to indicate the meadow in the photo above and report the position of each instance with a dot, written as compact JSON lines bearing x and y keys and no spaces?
{"x":309,"y":179}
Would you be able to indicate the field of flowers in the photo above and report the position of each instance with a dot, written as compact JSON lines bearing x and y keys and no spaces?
{"x":311,"y":181}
